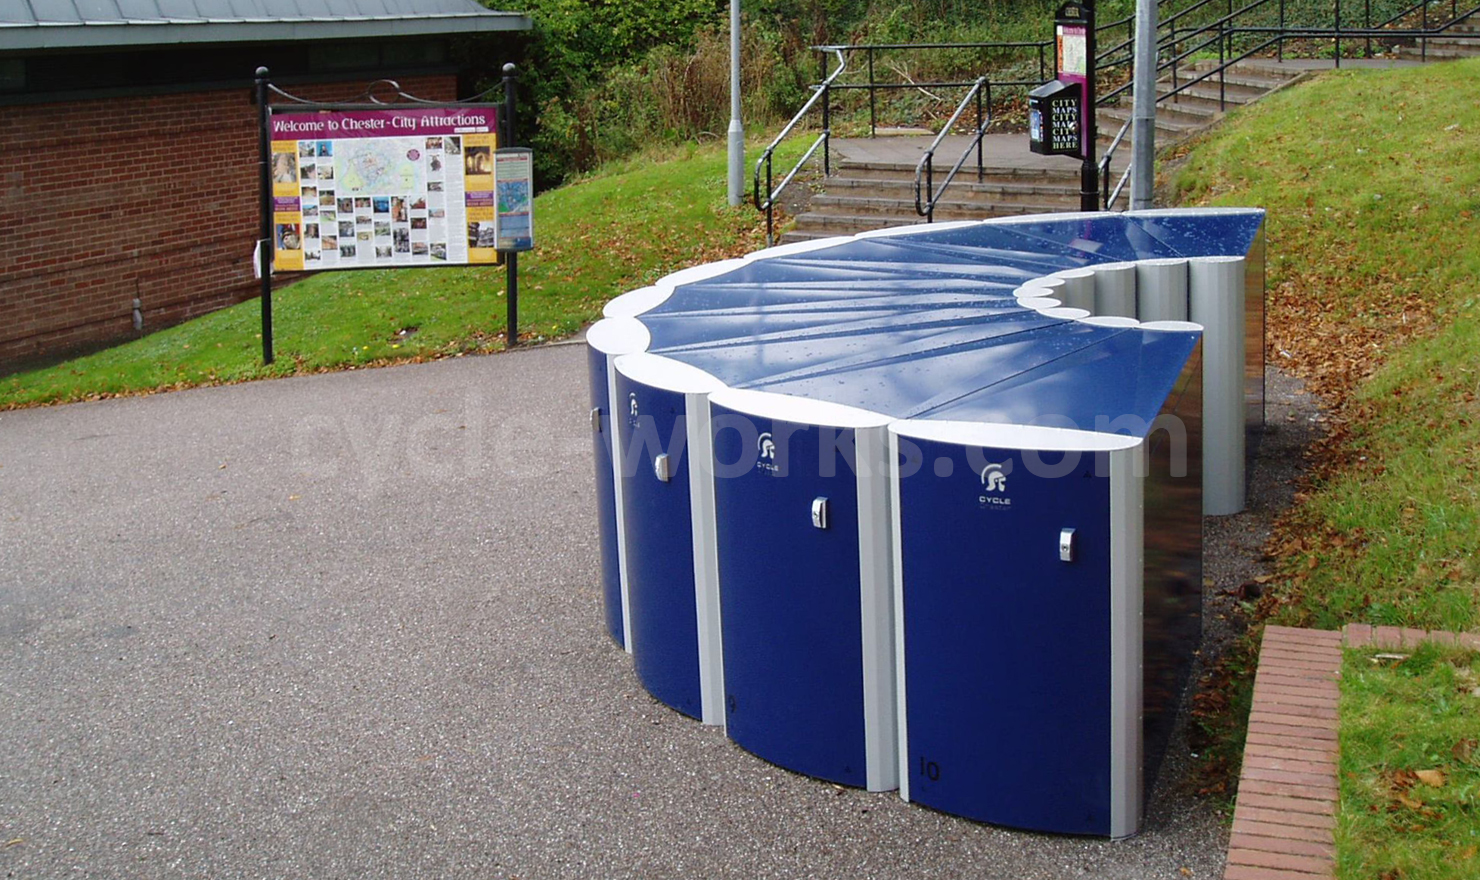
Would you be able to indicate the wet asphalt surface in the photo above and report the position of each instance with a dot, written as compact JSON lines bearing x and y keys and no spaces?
{"x":349,"y":625}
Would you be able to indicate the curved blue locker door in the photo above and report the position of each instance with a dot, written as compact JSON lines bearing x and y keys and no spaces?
{"x":658,"y":518}
{"x":1007,"y":652}
{"x":789,"y":595}
{"x":606,"y":499}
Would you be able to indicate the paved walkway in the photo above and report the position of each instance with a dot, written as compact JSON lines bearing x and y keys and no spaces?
{"x":348,"y":626}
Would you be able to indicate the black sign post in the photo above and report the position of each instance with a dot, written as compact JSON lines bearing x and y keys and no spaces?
{"x":1074,"y":34}
{"x":1061,"y":113}
{"x":264,"y":237}
{"x":511,"y":258}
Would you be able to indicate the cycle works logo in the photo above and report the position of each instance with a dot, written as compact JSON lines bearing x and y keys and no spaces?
{"x":632,"y":409}
{"x":994,"y":486}
{"x":765,"y":453}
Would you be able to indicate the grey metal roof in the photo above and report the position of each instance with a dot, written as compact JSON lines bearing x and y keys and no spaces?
{"x":67,"y":24}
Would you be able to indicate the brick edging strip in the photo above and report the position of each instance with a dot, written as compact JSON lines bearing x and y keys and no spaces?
{"x":1284,"y":820}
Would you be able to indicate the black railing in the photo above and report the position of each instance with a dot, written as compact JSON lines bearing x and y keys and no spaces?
{"x":1182,"y":38}
{"x":873,"y":86}
{"x":1030,"y":53}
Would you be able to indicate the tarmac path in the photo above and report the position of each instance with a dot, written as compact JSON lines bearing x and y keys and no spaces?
{"x":348,"y":625}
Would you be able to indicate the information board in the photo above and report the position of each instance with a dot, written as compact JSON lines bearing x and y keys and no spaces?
{"x":513,"y":175}
{"x":1073,"y":54}
{"x":384,"y":187}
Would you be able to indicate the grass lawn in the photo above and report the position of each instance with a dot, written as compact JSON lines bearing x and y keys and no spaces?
{"x":1410,"y":765}
{"x":598,"y":237}
{"x":1374,"y":289}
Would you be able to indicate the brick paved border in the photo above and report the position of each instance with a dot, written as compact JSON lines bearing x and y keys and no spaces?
{"x":1285,"y":817}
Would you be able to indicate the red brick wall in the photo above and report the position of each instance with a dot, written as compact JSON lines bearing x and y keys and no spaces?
{"x":154,"y":197}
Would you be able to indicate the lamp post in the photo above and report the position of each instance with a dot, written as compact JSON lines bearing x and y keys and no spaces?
{"x":1143,"y":108}
{"x":737,"y":129}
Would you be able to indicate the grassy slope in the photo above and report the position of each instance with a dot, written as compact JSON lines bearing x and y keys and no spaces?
{"x":1372,"y":188}
{"x":1375,"y":301}
{"x":597,"y":238}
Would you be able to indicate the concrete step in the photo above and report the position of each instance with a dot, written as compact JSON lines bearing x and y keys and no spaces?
{"x":953,"y":208}
{"x":1169,"y":125}
{"x":794,"y":235}
{"x":1467,"y":26}
{"x":994,"y":173}
{"x":1180,"y":110}
{"x":814,"y":224}
{"x":1260,"y":75}
{"x":963,"y":188}
{"x":1451,"y":49}
{"x":1208,"y":93}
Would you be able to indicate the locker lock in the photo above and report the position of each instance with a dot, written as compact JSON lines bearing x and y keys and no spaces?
{"x":819,"y":512}
{"x":1066,"y":545}
{"x":662,"y":469}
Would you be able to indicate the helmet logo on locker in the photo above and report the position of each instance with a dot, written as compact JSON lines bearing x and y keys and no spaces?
{"x":765,"y":448}
{"x":994,"y":480}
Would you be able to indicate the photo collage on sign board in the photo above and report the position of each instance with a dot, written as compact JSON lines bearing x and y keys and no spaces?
{"x":362,"y":193}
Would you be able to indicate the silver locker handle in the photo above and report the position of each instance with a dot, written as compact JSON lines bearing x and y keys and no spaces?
{"x":819,"y":513}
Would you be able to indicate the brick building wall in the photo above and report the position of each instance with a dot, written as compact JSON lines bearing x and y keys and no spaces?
{"x":154,"y":197}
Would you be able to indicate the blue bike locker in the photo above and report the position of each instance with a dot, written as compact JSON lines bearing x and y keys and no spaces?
{"x":666,"y":492}
{"x":1018,"y":579}
{"x":801,"y":501}
{"x":880,"y":508}
{"x":607,"y":339}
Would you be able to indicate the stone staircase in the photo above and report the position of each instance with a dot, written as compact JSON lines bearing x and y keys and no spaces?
{"x":871,"y":195}
{"x":1194,"y":109}
{"x":876,"y":192}
{"x":1462,"y":40}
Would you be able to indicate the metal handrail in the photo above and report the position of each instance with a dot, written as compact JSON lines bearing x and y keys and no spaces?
{"x":926,"y":165}
{"x":769,"y":206}
{"x":1108,"y":197}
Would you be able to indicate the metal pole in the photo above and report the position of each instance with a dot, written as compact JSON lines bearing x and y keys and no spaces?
{"x":264,"y":245}
{"x":1337,"y":52}
{"x":1367,"y":16}
{"x":770,"y":205}
{"x":873,"y":109}
{"x":826,"y":128}
{"x":1143,"y":112}
{"x":737,"y":128}
{"x":980,"y":86}
{"x":1089,"y":170}
{"x":511,"y":259}
{"x":1282,"y":31}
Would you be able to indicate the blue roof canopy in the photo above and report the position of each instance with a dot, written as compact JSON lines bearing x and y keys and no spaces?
{"x":925,"y":324}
